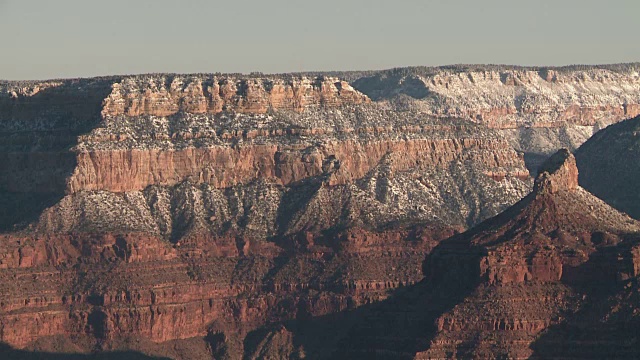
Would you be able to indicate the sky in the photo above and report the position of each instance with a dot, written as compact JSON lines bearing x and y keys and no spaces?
{"x":45,"y":39}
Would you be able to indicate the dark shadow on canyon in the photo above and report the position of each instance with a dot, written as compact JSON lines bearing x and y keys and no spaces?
{"x":379,"y":87}
{"x":533,"y":161}
{"x":294,"y":201}
{"x":8,"y":353}
{"x":606,"y":325}
{"x":395,"y":328}
{"x":37,"y":133}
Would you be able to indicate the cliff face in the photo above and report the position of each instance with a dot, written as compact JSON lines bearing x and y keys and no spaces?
{"x":513,"y":97}
{"x":537,"y":109}
{"x":206,"y":207}
{"x":140,"y":212}
{"x":164,"y":96}
{"x":547,"y":268}
{"x":342,"y":161}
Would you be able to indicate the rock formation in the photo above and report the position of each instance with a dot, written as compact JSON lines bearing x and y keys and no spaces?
{"x":536,"y":263}
{"x":198,"y":215}
{"x":174,"y":208}
{"x":164,"y":96}
{"x":537,"y":109}
{"x":514,"y":285}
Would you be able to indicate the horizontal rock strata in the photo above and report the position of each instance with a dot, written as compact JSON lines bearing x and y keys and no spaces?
{"x":208,"y":211}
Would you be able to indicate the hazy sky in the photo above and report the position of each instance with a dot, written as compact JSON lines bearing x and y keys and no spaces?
{"x":72,"y":38}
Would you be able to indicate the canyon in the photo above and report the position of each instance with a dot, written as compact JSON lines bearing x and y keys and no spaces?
{"x":245,"y":216}
{"x":549,"y":277}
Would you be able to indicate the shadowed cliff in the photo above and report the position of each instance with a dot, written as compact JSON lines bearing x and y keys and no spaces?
{"x":609,"y":166}
{"x":185,"y":205}
{"x":7,"y":353}
{"x":39,"y":124}
{"x":559,"y":267}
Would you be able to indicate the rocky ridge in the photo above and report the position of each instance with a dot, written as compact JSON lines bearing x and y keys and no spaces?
{"x":501,"y":288}
{"x":510,"y":97}
{"x":167,"y":217}
{"x":538,"y":109}
{"x":199,"y":210}
{"x":539,"y":262}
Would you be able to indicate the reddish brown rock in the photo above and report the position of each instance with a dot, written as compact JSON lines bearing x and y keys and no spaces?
{"x":112,"y":286}
{"x":209,"y":207}
{"x":126,"y":170}
{"x":165,"y":96}
{"x":544,"y":265}
{"x":531,"y":258}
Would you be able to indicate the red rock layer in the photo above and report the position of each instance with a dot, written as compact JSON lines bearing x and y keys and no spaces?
{"x":573,"y":115}
{"x":493,"y":291}
{"x":114,"y":286}
{"x":223,"y":166}
{"x":164,"y":97}
{"x":529,"y":260}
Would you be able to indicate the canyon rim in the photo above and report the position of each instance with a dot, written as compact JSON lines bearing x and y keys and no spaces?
{"x":407,"y":213}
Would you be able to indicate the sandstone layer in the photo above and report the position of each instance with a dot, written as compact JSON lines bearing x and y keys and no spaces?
{"x":198,"y":209}
{"x":164,"y":96}
{"x":234,"y":216}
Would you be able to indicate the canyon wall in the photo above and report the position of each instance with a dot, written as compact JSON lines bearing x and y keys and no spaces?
{"x":182,"y":207}
{"x":202,"y":209}
{"x":510,"y":97}
{"x":559,"y":264}
{"x":538,"y":109}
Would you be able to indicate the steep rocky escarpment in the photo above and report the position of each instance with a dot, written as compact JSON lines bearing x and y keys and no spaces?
{"x":290,"y":215}
{"x":39,"y":122}
{"x":166,"y":95}
{"x":214,"y":171}
{"x":538,"y":109}
{"x":609,"y":166}
{"x":556,"y":264}
{"x":345,"y":160}
{"x":194,"y":214}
